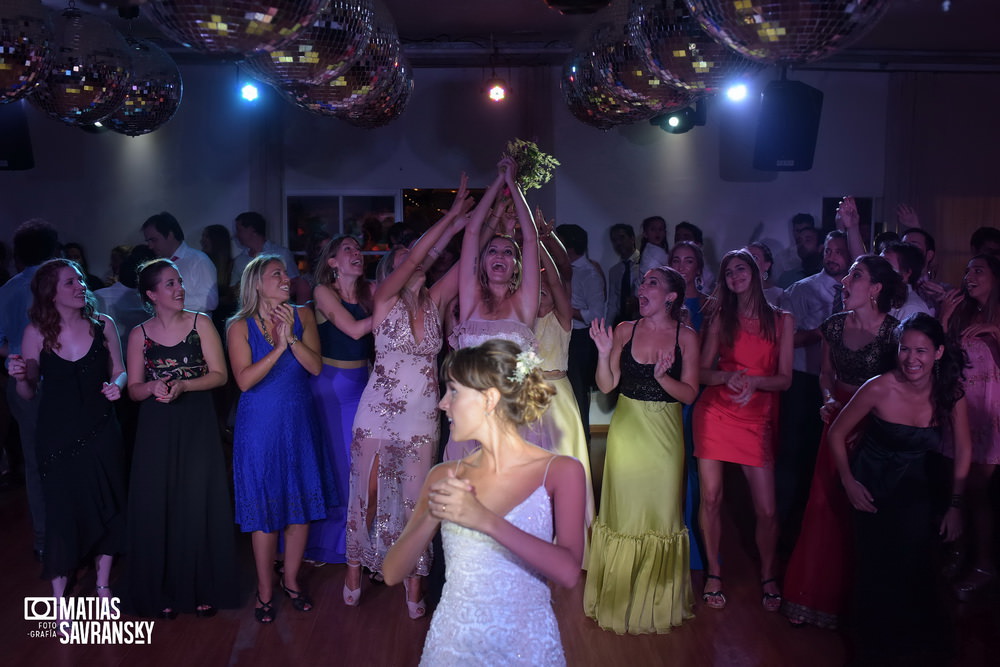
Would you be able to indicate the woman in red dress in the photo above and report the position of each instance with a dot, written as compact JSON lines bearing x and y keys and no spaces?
{"x":746,"y":359}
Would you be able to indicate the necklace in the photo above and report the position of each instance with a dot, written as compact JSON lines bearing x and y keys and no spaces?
{"x":263,"y":330}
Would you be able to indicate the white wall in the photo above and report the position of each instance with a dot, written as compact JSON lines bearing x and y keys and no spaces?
{"x":219,"y":156}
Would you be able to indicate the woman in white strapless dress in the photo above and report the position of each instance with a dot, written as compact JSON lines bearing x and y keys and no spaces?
{"x":511,"y":518}
{"x":498,"y":281}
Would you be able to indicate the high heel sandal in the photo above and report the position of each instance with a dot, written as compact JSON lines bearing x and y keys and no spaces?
{"x":414,"y":609}
{"x":300,"y":601}
{"x":770,"y":601}
{"x":714,"y":599}
{"x":266,"y":612}
{"x":352,"y":596}
{"x":974,"y":583}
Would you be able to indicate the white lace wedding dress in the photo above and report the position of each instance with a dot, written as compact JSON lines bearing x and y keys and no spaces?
{"x":494,"y":609}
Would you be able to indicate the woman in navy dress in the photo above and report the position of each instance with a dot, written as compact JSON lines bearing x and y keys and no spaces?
{"x":281,"y":472}
{"x":343,"y":301}
{"x":180,"y":523}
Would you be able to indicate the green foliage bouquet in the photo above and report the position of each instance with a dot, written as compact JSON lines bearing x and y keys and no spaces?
{"x":534,"y":168}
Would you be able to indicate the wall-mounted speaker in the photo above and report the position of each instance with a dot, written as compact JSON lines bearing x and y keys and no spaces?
{"x":788,"y":126}
{"x":15,"y":142}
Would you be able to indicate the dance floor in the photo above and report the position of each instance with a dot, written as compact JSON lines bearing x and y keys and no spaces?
{"x":378,"y":632}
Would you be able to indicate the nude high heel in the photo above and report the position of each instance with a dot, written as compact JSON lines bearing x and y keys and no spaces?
{"x":352,"y":597}
{"x":414,"y":609}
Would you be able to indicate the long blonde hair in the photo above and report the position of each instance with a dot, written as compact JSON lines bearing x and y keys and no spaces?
{"x":253,"y":276}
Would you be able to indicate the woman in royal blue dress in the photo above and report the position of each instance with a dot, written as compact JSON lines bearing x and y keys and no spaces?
{"x":281,"y":472}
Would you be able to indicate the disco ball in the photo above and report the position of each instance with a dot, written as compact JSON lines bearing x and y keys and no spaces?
{"x":679,"y":50}
{"x":370,"y":75}
{"x":570,"y":7}
{"x":234,"y":26}
{"x":382,"y":109}
{"x":787,"y":31}
{"x":323,"y":51}
{"x":154,"y":92}
{"x":624,"y":74}
{"x":89,"y":73}
{"x":25,"y":47}
{"x":589,"y":100}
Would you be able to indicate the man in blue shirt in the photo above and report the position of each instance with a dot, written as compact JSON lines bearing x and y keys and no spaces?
{"x":35,"y":241}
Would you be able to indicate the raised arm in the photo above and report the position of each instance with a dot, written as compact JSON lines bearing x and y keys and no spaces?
{"x":553,"y":245}
{"x":468,"y":262}
{"x":558,"y":290}
{"x":328,"y":302}
{"x":848,"y":219}
{"x":526,"y":297}
{"x":609,"y":351}
{"x":426,"y":246}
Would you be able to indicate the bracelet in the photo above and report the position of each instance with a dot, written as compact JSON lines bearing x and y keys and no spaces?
{"x":293,"y":340}
{"x":956,"y":501}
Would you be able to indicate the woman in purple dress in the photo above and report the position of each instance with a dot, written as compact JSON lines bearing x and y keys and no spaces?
{"x":343,"y":301}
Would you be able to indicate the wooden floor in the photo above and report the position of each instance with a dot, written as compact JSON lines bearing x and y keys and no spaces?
{"x":378,"y":632}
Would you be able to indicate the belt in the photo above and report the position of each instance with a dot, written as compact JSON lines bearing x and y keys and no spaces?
{"x":553,"y":375}
{"x":338,"y":363}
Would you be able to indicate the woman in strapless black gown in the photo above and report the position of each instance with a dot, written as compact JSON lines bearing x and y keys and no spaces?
{"x":898,"y":618}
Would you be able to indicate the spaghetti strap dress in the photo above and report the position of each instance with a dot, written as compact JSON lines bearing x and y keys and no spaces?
{"x":397,"y":425}
{"x":638,"y":577}
{"x":80,"y":460}
{"x":495,"y":609}
{"x":181,"y":542}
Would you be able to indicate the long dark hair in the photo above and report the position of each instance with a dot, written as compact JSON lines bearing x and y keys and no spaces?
{"x":946,"y":389}
{"x":327,"y":275}
{"x":880,"y":272}
{"x":43,"y":313}
{"x":724,"y":303}
{"x":968,"y":312}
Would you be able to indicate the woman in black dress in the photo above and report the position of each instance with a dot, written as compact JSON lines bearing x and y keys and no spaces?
{"x":180,"y":525}
{"x":897,"y":615}
{"x":71,"y":356}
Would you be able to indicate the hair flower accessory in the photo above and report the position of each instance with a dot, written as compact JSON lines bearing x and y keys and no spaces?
{"x":527,"y":361}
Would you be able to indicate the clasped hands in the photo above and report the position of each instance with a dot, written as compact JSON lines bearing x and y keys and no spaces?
{"x":283,"y":318}
{"x":454,"y":499}
{"x":742,"y":386}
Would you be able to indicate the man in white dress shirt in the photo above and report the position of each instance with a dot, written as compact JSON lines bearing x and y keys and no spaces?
{"x":621,"y":287}
{"x":588,"y":301}
{"x":250,"y":230}
{"x":908,"y":261}
{"x":165,"y":237}
{"x":810,"y":301}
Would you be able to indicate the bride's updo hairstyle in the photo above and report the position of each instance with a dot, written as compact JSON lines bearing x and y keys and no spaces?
{"x":501,"y":365}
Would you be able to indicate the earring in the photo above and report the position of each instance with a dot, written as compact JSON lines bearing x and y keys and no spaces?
{"x":669,"y":305}
{"x":335,"y":273}
{"x":937,"y":368}
{"x":764,"y":275}
{"x":871,"y":297}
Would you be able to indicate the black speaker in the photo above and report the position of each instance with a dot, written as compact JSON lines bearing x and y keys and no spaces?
{"x":15,"y":142}
{"x":789,"y":123}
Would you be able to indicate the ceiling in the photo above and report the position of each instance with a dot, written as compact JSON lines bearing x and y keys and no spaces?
{"x":920,"y":34}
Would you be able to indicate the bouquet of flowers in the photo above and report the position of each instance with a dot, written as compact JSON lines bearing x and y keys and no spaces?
{"x":534,"y":168}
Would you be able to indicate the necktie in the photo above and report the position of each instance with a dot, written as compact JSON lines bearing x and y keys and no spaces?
{"x":838,"y":298}
{"x":626,"y":290}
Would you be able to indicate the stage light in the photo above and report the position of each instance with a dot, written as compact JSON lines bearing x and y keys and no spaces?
{"x":737,"y":92}
{"x":682,"y":120}
{"x":496,"y":89}
{"x":249,"y":92}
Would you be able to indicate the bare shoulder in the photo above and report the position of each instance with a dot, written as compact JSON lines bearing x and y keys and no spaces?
{"x":688,"y":336}
{"x":624,"y":329}
{"x":442,"y":471}
{"x":563,"y":470}
{"x":305,"y":314}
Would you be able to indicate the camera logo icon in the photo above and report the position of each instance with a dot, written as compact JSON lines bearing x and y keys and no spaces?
{"x":41,"y":609}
